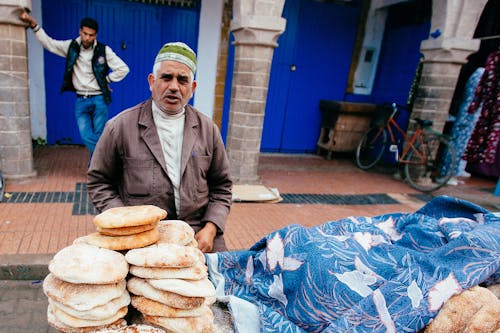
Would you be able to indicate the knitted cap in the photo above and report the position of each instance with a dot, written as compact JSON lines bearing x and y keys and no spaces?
{"x":177,"y":51}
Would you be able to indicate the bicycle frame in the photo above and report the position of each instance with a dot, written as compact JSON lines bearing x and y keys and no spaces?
{"x":410,"y":141}
{"x":421,"y":154}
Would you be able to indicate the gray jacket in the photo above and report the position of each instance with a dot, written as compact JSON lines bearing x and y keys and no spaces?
{"x":128,"y":168}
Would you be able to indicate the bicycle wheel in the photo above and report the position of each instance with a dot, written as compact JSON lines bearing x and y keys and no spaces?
{"x":422,"y":166}
{"x":371,"y":147}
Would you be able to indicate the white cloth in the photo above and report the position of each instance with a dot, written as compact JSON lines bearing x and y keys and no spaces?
{"x":171,"y":133}
{"x":245,"y":314}
{"x":83,"y":77}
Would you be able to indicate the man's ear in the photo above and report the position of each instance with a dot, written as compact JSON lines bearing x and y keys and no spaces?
{"x":193,"y":86}
{"x":151,"y":80}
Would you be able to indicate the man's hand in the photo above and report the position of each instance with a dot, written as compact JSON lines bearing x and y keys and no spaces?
{"x":25,"y":17}
{"x":205,"y":237}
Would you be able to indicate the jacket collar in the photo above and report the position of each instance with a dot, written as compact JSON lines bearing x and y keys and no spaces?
{"x":79,"y":41}
{"x":150,"y":135}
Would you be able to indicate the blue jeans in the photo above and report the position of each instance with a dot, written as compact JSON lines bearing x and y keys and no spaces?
{"x":91,"y":115}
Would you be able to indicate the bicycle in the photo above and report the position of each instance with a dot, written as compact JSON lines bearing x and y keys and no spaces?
{"x":421,"y":155}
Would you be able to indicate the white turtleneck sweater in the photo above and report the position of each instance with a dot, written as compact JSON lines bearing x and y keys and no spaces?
{"x":171,"y":133}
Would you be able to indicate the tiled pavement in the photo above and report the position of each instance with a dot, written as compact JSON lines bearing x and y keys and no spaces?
{"x":41,"y":215}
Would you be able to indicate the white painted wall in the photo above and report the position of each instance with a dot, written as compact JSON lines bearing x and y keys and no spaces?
{"x":208,"y":50}
{"x":36,"y":79}
{"x":372,"y":42}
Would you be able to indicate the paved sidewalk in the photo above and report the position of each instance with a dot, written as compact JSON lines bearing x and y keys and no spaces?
{"x":23,"y":307}
{"x":40,"y":216}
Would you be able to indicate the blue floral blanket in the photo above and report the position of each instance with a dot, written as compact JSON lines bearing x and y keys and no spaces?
{"x":389,"y":273}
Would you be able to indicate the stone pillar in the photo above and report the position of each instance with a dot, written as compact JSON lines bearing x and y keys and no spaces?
{"x":256,"y":26}
{"x":450,"y":43}
{"x":16,"y":154}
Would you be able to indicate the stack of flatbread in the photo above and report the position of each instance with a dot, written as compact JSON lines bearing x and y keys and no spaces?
{"x":86,"y":289}
{"x":169,"y":283}
{"x":125,"y":228}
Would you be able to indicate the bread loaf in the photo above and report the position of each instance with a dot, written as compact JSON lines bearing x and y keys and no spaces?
{"x":164,"y":255}
{"x":119,"y":243}
{"x":82,"y":297}
{"x":128,"y":216}
{"x":84,"y":263}
{"x":140,"y":287}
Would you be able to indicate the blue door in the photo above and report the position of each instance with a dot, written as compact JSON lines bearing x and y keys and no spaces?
{"x":135,"y":31}
{"x":311,"y":63}
{"x":407,"y":26}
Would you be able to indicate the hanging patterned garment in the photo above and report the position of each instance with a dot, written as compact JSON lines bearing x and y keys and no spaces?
{"x":483,"y":145}
{"x":464,"y":123}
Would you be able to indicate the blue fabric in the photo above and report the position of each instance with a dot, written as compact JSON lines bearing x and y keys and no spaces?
{"x":91,"y":115}
{"x":389,"y":273}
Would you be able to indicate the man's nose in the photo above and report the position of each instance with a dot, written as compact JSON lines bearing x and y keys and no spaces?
{"x":174,"y":85}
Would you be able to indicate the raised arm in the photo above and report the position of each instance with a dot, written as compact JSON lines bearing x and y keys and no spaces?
{"x":59,"y":47}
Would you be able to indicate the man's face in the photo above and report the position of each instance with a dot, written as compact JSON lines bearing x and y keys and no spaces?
{"x":87,"y":36}
{"x":171,"y":86}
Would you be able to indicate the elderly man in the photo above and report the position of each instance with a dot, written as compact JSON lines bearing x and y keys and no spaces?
{"x":165,"y":153}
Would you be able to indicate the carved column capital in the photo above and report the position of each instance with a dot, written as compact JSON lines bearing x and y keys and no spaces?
{"x":452,"y":28}
{"x":258,"y":30}
{"x":257,"y":22}
{"x":11,"y":9}
{"x":449,"y":50}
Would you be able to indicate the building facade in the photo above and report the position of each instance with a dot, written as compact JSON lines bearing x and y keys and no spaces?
{"x":264,"y":65}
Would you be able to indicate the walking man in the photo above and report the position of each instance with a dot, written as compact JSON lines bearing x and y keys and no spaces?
{"x":90,"y":67}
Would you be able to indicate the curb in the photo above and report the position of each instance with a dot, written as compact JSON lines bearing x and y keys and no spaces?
{"x":24,"y":266}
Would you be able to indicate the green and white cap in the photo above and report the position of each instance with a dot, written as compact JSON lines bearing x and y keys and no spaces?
{"x":177,"y":51}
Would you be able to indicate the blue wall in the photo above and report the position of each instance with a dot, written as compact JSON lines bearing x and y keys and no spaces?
{"x":134,"y":31}
{"x":319,"y":40}
{"x":407,"y":25}
{"x":318,"y":43}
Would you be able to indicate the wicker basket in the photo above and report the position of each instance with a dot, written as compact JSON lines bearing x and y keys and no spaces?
{"x":354,"y":120}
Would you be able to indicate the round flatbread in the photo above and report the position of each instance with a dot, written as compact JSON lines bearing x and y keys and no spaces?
{"x":175,"y":232}
{"x":134,"y":328}
{"x":71,"y":321}
{"x":82,"y":296}
{"x":153,"y":308}
{"x":197,"y":272}
{"x":487,"y":319}
{"x":495,"y":289}
{"x":140,"y":287}
{"x":123,"y":231}
{"x":97,"y":313}
{"x":193,"y":243}
{"x":459,"y":309}
{"x":120,"y":243}
{"x":203,"y":323}
{"x":199,"y":288}
{"x":128,"y":216}
{"x":164,"y":255}
{"x":61,"y":327}
{"x":84,"y":263}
